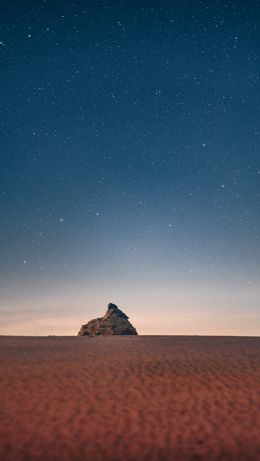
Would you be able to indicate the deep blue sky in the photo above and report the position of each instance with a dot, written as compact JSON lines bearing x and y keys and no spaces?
{"x":130,"y":164}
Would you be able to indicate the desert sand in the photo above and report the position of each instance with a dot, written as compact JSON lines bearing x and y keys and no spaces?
{"x":130,"y":398}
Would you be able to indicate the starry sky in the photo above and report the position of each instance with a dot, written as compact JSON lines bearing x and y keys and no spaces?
{"x":130,"y":166}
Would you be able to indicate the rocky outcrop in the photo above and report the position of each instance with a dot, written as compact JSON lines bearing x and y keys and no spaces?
{"x":114,"y":322}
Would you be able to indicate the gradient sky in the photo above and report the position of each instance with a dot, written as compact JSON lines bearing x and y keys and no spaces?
{"x":130,"y":165}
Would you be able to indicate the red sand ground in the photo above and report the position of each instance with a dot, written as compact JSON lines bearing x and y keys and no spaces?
{"x":129,"y":398}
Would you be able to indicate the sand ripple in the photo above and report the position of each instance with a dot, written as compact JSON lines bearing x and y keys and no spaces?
{"x":130,"y":398}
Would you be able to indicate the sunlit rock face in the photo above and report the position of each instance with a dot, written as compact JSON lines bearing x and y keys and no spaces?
{"x":114,"y":322}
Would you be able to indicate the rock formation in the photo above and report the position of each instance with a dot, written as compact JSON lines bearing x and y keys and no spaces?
{"x":114,"y":322}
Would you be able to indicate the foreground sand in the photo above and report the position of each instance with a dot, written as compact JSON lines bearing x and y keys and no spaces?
{"x":130,"y":398}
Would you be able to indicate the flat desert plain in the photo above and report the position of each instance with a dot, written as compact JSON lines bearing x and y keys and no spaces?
{"x":130,"y":398}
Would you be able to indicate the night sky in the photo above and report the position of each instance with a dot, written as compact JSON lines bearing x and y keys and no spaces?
{"x":130,"y":165}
